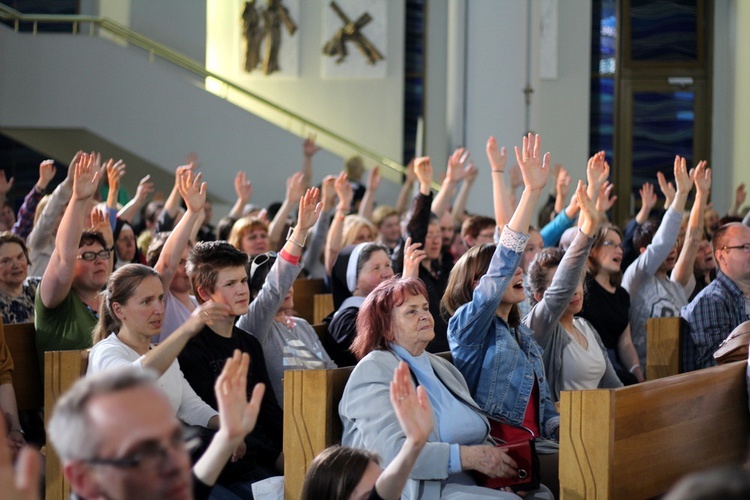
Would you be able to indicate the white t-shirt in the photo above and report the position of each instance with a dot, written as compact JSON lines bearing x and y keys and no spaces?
{"x":582,"y":368}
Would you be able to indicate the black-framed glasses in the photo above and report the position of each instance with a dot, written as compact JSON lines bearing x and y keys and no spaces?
{"x":91,"y":256}
{"x":152,"y":455}
{"x":261,"y":260}
{"x":745,"y":247}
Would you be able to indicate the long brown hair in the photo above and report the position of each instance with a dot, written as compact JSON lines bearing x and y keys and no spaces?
{"x":593,"y":266}
{"x":121,"y":285}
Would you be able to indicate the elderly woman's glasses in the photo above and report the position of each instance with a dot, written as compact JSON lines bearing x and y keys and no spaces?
{"x":261,"y":260}
{"x":91,"y":256}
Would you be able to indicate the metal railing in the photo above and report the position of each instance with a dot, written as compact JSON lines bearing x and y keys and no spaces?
{"x":294,"y":123}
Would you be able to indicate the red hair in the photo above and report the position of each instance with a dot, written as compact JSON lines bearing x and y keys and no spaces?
{"x":375,"y":318}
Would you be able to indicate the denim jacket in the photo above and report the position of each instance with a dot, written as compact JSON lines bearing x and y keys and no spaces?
{"x":500,"y":364}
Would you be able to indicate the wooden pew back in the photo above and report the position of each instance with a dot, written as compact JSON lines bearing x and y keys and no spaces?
{"x":637,"y":441}
{"x":61,"y":370}
{"x":304,"y":293}
{"x":322,"y":306}
{"x":664,"y":346}
{"x":27,"y":379}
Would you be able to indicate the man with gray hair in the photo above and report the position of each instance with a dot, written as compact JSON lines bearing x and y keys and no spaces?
{"x":118,"y":437}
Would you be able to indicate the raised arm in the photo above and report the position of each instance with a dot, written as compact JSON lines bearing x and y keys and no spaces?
{"x":193,"y":191}
{"x":454,"y":173}
{"x":501,"y":198}
{"x":114,"y":171}
{"x":5,"y":186}
{"x":414,"y":414}
{"x":667,"y":189}
{"x":648,"y":201}
{"x":26,"y":213}
{"x":58,"y":277}
{"x":45,"y":224}
{"x":319,"y":232}
{"x":535,"y":171}
{"x":739,"y":198}
{"x":142,"y":192}
{"x":459,"y":205}
{"x":334,"y":241}
{"x":683,"y":269}
{"x":244,"y":190}
{"x":562,"y":187}
{"x":172,"y":205}
{"x":597,"y":173}
{"x":368,"y":200}
{"x":295,"y":189}
{"x":309,"y":148}
{"x":237,"y":416}
{"x":402,"y":204}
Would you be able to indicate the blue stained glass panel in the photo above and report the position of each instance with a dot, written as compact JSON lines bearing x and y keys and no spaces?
{"x":663,"y":30}
{"x":662,"y":128}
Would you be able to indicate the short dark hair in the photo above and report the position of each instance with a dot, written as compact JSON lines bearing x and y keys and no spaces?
{"x":89,"y":237}
{"x":536,"y":281}
{"x":475,"y":225}
{"x":645,"y":233}
{"x":335,"y":472}
{"x":207,"y":258}
{"x":8,"y":237}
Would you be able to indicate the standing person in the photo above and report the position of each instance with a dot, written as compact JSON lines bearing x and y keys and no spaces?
{"x":67,"y":301}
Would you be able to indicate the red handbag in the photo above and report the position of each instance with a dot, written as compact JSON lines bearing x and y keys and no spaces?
{"x":524,"y":454}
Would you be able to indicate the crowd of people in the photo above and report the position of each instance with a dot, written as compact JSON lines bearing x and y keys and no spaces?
{"x":199,"y":320}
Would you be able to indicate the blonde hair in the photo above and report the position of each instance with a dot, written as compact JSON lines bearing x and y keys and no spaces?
{"x":352,"y":225}
{"x":242,"y":227}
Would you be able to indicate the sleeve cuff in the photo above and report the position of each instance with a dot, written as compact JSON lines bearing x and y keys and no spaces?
{"x":513,"y":240}
{"x":293,"y":260}
{"x":454,"y":462}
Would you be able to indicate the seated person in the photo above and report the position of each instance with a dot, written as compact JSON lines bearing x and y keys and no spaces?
{"x":67,"y":300}
{"x":341,"y":473}
{"x":112,"y":445}
{"x":17,"y":289}
{"x":395,"y":326}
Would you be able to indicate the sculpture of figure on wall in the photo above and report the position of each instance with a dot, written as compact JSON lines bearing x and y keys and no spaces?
{"x":351,"y":31}
{"x":274,"y":14}
{"x":253,"y":35}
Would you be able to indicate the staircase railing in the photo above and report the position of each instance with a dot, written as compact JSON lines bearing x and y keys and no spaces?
{"x":289,"y":121}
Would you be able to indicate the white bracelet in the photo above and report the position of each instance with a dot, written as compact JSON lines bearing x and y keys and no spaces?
{"x":637,"y":365}
{"x":289,"y":238}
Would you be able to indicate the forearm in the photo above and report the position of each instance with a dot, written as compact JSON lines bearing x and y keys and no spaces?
{"x":8,"y":405}
{"x":443,"y":198}
{"x":391,"y":482}
{"x":129,"y":211}
{"x":642,"y":216}
{"x":521,"y":218}
{"x":459,"y":204}
{"x":277,"y":225}
{"x":210,"y":465}
{"x":402,"y":204}
{"x":295,"y":245}
{"x":628,"y":355}
{"x":172,"y":205}
{"x":161,"y":357}
{"x":501,"y":199}
{"x":335,"y":239}
{"x":368,"y":201}
{"x":238,"y":209}
{"x":26,"y":213}
{"x":678,"y":204}
{"x":174,"y":246}
{"x":317,"y":241}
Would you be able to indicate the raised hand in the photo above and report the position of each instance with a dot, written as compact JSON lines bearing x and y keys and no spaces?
{"x":413,"y":256}
{"x":373,"y":180}
{"x":5,"y":185}
{"x":590,"y":218}
{"x":243,"y":187}
{"x":682,"y":177}
{"x":534,"y":166}
{"x":562,"y":184}
{"x":344,"y":191}
{"x":308,"y":147}
{"x":597,"y":170}
{"x":100,"y":223}
{"x":605,"y":200}
{"x":86,"y":177}
{"x":309,"y":209}
{"x":192,"y":190}
{"x":72,"y":165}
{"x":423,"y":169}
{"x":667,"y":189}
{"x":411,"y":176}
{"x":328,"y":192}
{"x":472,"y":172}
{"x":114,"y":171}
{"x":237,"y":416}
{"x":702,"y":178}
{"x":648,"y":196}
{"x":47,"y":172}
{"x":295,"y":187}
{"x":145,"y":188}
{"x":456,"y":162}
{"x":207,"y":313}
{"x":498,"y":158}
{"x":739,"y":195}
{"x":412,"y":406}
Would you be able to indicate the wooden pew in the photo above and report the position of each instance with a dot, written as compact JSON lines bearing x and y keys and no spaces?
{"x":664,"y":346}
{"x":637,"y":441}
{"x":304,"y":303}
{"x":61,"y":370}
{"x":322,"y":307}
{"x":27,"y":381}
{"x":311,"y":419}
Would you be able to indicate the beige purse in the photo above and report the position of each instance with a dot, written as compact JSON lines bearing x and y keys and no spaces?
{"x":735,"y":346}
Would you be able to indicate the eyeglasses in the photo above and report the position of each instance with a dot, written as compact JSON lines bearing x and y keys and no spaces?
{"x":745,"y":247}
{"x":611,"y":244}
{"x":261,"y":260}
{"x":151,"y":455}
{"x":91,"y":256}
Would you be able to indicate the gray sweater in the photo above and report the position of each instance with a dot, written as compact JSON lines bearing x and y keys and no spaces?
{"x":544,"y":317}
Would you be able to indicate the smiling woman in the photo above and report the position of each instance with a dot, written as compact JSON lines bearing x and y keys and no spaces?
{"x":17,"y":290}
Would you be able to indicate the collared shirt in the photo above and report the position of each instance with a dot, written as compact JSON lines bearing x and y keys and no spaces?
{"x":711,"y":317}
